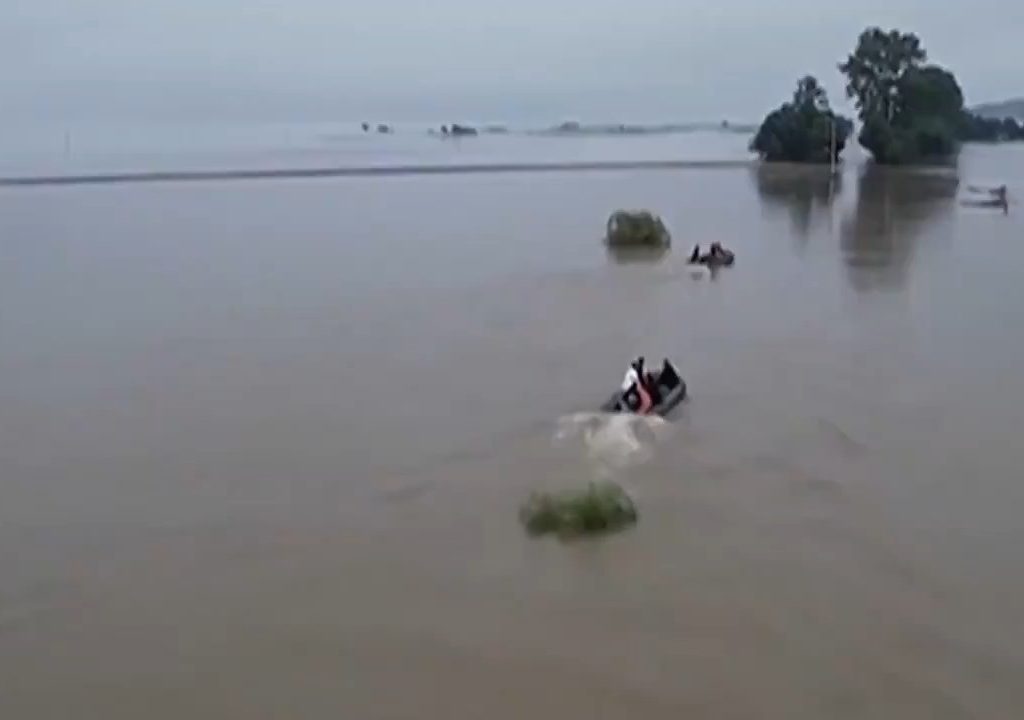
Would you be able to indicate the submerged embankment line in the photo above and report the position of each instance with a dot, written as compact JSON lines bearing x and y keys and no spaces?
{"x":336,"y":172}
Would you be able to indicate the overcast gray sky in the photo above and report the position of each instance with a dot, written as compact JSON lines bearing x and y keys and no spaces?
{"x":409,"y":59}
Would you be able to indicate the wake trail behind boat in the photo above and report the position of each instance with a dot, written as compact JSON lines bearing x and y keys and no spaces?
{"x":611,"y":442}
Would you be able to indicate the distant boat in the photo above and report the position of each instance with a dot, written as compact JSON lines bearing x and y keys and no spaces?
{"x":988,"y":197}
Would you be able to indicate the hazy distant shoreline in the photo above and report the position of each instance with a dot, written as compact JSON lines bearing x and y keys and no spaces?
{"x":368,"y":171}
{"x":569,"y":128}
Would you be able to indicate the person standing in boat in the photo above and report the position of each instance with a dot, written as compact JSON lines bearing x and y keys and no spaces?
{"x":636,"y":392}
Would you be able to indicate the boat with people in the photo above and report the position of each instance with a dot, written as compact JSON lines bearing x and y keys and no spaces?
{"x":717,"y":256}
{"x":648,"y":393}
{"x":988,"y":197}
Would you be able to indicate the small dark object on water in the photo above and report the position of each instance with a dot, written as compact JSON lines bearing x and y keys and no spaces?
{"x":718,"y":256}
{"x":366,"y":127}
{"x":462,"y":130}
{"x":598,"y":509}
{"x":384,"y":129}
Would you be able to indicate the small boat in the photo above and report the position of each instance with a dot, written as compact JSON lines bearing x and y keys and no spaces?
{"x":717,"y":257}
{"x":987,"y":197}
{"x":671,"y":389}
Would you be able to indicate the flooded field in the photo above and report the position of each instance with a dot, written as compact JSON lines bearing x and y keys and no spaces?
{"x":262,"y":446}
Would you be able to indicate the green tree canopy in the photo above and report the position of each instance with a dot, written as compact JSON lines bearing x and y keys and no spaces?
{"x":801,"y":130}
{"x":929,"y":90}
{"x":875,"y":69}
{"x":810,"y":96}
{"x":910,"y":111}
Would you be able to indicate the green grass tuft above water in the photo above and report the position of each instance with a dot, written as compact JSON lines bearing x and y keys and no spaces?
{"x":636,"y":229}
{"x":595,"y":510}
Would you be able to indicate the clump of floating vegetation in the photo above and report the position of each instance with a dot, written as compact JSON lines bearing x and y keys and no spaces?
{"x":639,"y":228}
{"x":597,"y":509}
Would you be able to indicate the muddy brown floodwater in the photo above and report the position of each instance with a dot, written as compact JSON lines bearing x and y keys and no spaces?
{"x":262,"y":445}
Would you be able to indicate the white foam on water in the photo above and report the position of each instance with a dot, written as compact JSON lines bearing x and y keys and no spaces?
{"x":611,"y":442}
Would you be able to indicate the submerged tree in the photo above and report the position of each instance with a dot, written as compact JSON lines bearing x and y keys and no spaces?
{"x":910,"y":111}
{"x":804,"y":130}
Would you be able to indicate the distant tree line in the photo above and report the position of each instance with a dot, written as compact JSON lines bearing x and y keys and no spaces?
{"x":976,"y":128}
{"x":910,"y":111}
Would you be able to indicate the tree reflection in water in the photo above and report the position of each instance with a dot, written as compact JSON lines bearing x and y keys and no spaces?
{"x":894,"y":210}
{"x":805,"y":192}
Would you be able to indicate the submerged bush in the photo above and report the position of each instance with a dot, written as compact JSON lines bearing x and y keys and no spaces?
{"x":636,"y":229}
{"x":804,"y":130}
{"x":599,"y":508}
